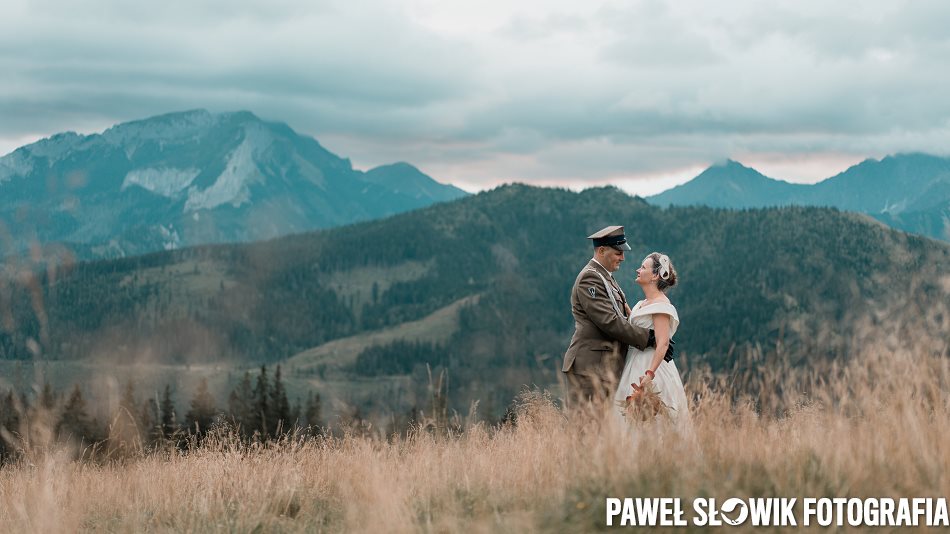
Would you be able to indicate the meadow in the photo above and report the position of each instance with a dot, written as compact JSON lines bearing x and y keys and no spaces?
{"x":874,"y":425}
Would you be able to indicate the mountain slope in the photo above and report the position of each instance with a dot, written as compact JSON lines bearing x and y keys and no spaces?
{"x":730,"y":185}
{"x":190,"y":178}
{"x":807,"y":277}
{"x":893,"y":185}
{"x":907,"y":191}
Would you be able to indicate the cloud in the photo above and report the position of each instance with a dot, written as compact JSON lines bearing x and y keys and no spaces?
{"x":364,"y":60}
{"x":495,"y":91}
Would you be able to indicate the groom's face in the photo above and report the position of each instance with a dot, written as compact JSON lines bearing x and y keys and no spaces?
{"x":611,"y":258}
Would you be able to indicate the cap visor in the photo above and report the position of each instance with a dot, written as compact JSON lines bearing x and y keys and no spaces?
{"x":622,"y":247}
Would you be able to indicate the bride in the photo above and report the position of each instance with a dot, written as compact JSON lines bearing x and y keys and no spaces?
{"x":645,"y":367}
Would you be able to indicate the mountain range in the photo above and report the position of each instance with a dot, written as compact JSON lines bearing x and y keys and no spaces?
{"x":479,"y":287}
{"x":189,"y":178}
{"x":195,"y":177}
{"x":910,"y":192}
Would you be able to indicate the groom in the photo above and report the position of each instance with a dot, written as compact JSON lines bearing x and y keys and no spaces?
{"x":594,"y":360}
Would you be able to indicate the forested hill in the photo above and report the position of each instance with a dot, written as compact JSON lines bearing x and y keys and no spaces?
{"x":480,"y":284}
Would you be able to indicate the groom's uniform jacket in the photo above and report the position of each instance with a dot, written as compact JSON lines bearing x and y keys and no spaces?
{"x":601,"y":338}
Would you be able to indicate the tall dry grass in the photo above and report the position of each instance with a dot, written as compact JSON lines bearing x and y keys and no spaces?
{"x":875,"y":425}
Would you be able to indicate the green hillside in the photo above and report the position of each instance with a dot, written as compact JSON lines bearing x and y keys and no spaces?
{"x":479,"y":286}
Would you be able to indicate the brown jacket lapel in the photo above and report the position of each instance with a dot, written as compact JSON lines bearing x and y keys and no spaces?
{"x":613,"y":283}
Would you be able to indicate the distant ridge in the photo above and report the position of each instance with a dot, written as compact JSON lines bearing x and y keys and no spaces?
{"x":910,"y":192}
{"x":189,"y":178}
{"x":729,"y":184}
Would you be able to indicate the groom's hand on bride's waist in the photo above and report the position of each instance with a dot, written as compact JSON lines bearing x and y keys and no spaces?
{"x":651,"y":342}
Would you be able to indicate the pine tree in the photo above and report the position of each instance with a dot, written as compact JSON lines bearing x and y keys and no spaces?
{"x":128,"y":402}
{"x":149,"y":420}
{"x":47,"y":398}
{"x":312,"y":414}
{"x":126,"y":428}
{"x":240,"y":405}
{"x":10,"y":422}
{"x":261,"y":403}
{"x":296,"y":412}
{"x":169,"y":422}
{"x":279,"y":419}
{"x":201,"y":414}
{"x":74,"y":422}
{"x":128,"y":417}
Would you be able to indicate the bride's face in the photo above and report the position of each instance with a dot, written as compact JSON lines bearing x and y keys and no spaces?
{"x":645,"y":274}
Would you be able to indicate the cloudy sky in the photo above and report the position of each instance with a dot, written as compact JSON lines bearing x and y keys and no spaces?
{"x":641,"y":94}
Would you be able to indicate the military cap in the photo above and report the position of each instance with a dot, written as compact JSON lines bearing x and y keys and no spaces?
{"x":611,"y":236}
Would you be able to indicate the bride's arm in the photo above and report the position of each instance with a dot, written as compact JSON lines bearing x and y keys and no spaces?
{"x":661,"y":328}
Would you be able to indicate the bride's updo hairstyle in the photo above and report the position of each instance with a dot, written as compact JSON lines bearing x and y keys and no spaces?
{"x":663,"y":267}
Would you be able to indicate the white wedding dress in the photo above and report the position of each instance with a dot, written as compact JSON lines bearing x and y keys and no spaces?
{"x":668,"y":383}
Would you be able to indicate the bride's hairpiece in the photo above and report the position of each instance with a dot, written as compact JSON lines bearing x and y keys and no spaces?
{"x":664,"y":270}
{"x":664,"y":266}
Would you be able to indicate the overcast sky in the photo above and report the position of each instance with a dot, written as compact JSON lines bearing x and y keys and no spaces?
{"x":641,"y":94}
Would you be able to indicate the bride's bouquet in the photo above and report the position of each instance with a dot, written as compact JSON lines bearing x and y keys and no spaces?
{"x":644,"y":404}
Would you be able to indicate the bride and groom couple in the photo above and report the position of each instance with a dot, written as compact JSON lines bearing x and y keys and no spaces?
{"x":617,"y":350}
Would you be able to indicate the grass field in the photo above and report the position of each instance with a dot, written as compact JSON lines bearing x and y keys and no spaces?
{"x":875,"y":426}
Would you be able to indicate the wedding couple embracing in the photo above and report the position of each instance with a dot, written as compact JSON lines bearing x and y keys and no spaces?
{"x":621,"y":354}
